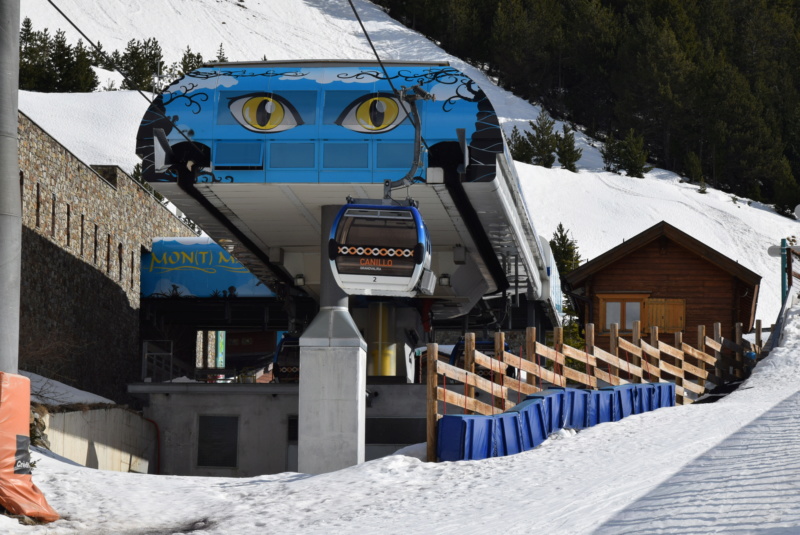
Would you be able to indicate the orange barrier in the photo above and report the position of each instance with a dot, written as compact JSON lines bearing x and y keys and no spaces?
{"x":18,"y":494}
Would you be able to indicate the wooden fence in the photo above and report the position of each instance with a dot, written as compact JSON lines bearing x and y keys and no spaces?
{"x":628,"y":361}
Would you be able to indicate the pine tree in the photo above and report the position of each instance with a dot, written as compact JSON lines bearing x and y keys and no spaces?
{"x":567,"y":259}
{"x":565,"y":251}
{"x":63,"y":61}
{"x":627,"y":155}
{"x":98,"y":56}
{"x":221,"y":57}
{"x":141,"y":62}
{"x":511,"y":34}
{"x":519,"y":147}
{"x":568,"y":154}
{"x":190,"y":61}
{"x":35,"y":66}
{"x":694,"y":171}
{"x":543,"y":140}
{"x":611,"y":153}
{"x":633,"y":156}
{"x":83,"y":79}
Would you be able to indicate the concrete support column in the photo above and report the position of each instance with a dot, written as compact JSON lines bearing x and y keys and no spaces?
{"x":333,"y":377}
{"x":10,"y":195}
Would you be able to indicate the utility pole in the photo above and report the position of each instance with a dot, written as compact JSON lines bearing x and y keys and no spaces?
{"x":10,"y":194}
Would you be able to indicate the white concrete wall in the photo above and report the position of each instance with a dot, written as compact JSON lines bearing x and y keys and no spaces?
{"x":333,"y":393}
{"x":263,"y":411}
{"x":109,"y":439}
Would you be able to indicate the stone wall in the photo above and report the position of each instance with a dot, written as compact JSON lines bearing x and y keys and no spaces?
{"x":84,"y":230}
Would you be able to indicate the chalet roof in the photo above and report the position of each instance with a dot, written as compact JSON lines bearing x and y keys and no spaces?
{"x":655,"y":232}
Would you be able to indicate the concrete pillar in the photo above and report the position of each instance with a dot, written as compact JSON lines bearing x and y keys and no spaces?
{"x":10,"y":195}
{"x":333,"y":378}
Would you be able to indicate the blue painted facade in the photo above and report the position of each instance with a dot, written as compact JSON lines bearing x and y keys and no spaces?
{"x":313,"y":124}
{"x":196,"y":267}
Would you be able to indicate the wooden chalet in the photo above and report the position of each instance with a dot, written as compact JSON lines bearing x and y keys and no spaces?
{"x":663,"y":277}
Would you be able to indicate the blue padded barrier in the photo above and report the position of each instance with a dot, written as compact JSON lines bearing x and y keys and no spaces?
{"x":552,"y":405}
{"x":574,"y":406}
{"x":464,"y":437}
{"x":507,"y":437}
{"x":625,"y":400}
{"x":648,"y":397}
{"x":577,"y":404}
{"x":528,"y":424}
{"x":604,"y":406}
{"x":666,"y":394}
{"x":533,"y":426}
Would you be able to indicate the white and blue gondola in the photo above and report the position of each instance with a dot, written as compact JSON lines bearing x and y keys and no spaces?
{"x":381,"y":250}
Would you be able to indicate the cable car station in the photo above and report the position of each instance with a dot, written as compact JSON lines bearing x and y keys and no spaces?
{"x":383,"y":193}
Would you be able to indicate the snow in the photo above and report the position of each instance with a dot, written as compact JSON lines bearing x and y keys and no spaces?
{"x":732,"y":466}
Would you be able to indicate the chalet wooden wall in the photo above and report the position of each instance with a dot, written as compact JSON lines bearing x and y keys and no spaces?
{"x":665,"y":269}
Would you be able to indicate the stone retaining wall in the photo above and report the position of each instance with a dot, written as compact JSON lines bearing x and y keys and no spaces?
{"x":84,"y":230}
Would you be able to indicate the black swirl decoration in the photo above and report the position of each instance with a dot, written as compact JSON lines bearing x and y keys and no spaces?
{"x":208,"y":177}
{"x":244,"y":73}
{"x":190,"y":101}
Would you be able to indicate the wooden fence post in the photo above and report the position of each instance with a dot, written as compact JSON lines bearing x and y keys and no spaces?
{"x":589,"y":338}
{"x":739,"y":355}
{"x":701,"y":346}
{"x":558,"y":345}
{"x":558,"y":339}
{"x":759,"y":341}
{"x":636,"y":336}
{"x":701,"y":338}
{"x":499,"y":349}
{"x":678,"y":345}
{"x":469,"y":363}
{"x":530,"y":352}
{"x":433,"y":401}
{"x":654,"y":342}
{"x":718,"y":354}
{"x":613,"y":346}
{"x":613,"y":343}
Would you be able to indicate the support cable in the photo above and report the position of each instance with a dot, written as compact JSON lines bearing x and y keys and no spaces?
{"x":383,"y":68}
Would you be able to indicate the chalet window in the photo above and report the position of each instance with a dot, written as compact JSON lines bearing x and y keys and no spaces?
{"x":669,"y":315}
{"x":622,"y":309}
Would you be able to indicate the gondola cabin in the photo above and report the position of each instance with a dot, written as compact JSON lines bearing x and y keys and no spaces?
{"x":381,"y":250}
